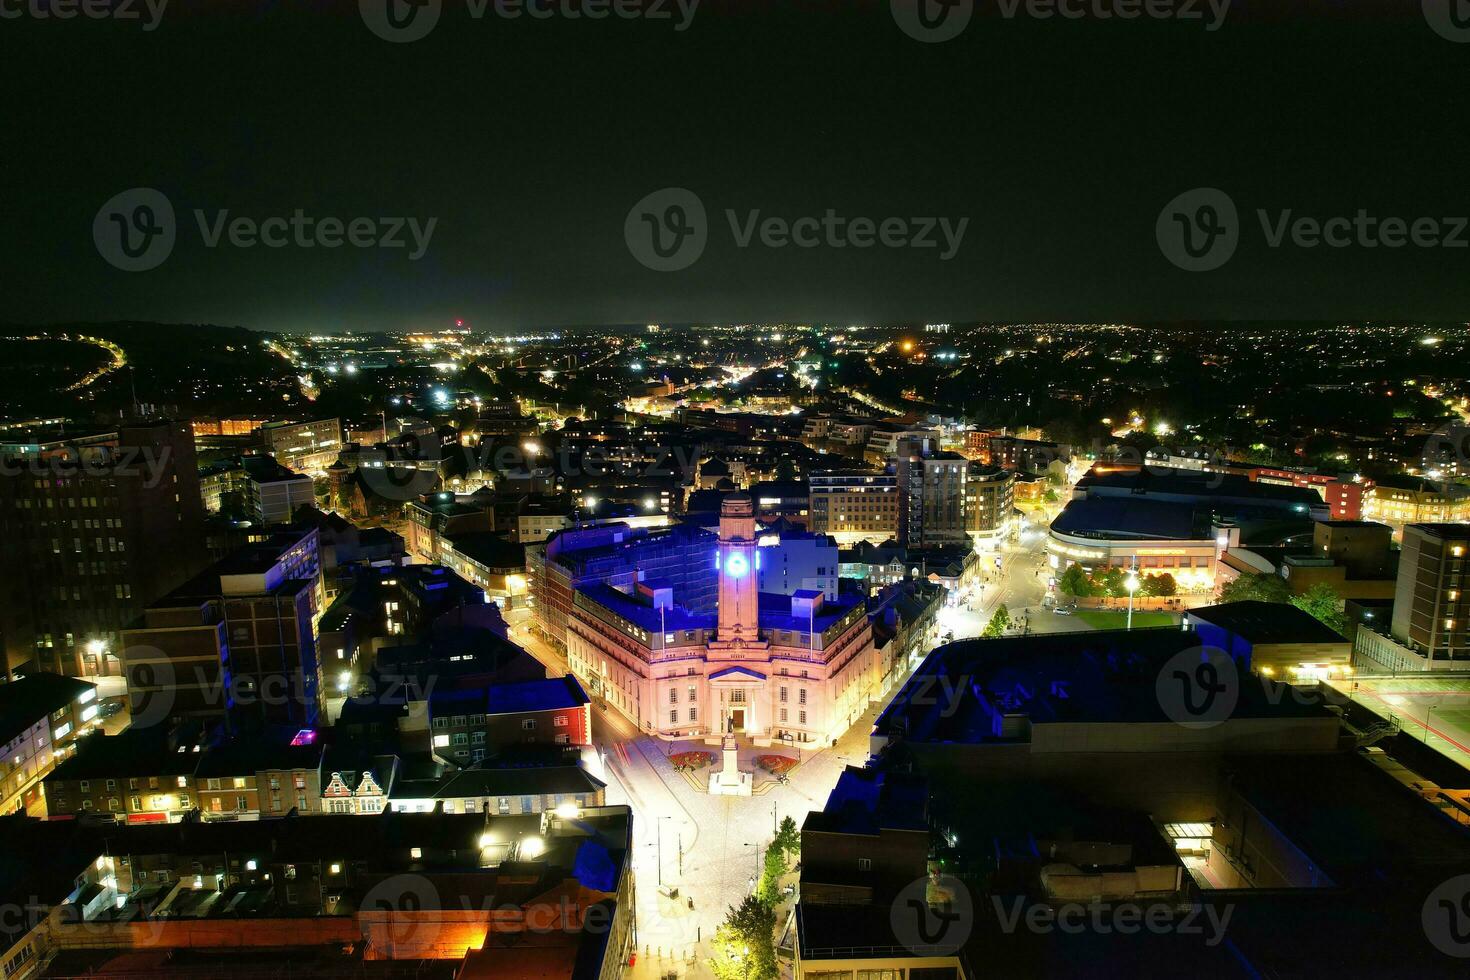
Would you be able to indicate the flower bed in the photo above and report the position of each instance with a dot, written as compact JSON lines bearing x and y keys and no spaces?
{"x":688,"y":761}
{"x":777,"y":765}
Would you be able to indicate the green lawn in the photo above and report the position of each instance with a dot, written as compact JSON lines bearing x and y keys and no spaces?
{"x":1101,"y":619}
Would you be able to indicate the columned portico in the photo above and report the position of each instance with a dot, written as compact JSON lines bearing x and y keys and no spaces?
{"x":739,"y":691}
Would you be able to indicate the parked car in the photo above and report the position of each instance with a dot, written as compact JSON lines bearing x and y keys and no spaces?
{"x":1066,"y":610}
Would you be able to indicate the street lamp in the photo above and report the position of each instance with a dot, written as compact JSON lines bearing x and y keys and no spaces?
{"x":1131,"y":584}
{"x":661,"y":847}
{"x":1428,"y":708}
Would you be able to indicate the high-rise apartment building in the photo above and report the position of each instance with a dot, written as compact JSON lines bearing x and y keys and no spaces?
{"x":931,"y":490}
{"x":854,"y":505}
{"x":95,"y":528}
{"x":990,"y":501}
{"x":1430,"y":605}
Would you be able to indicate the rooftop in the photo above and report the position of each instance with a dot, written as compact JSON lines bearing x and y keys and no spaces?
{"x":30,"y":699}
{"x":865,"y":801}
{"x":964,"y":689}
{"x":1132,"y":518}
{"x":1267,"y":622}
{"x":1156,"y":479}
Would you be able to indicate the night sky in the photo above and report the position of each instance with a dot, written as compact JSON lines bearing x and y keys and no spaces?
{"x":530,"y":140}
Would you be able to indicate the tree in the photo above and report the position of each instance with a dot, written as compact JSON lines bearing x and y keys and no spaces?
{"x":1265,"y":588}
{"x":789,"y":838}
{"x":786,"y":470}
{"x":998,"y":622}
{"x":744,"y":945}
{"x":1113,"y":583}
{"x":1074,"y":582}
{"x":769,"y":889}
{"x":1160,"y":586}
{"x":1322,"y":602}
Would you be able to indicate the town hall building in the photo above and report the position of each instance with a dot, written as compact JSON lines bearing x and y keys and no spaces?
{"x":779,"y":669}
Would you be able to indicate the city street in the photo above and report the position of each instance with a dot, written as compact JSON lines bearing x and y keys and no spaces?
{"x":1020,"y":583}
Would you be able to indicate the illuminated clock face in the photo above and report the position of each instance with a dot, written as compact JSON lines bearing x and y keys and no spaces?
{"x":736,"y":565}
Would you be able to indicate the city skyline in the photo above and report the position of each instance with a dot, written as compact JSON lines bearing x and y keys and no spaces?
{"x":734,"y":489}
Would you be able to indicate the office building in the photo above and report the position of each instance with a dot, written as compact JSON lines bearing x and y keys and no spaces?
{"x":1431,"y":606}
{"x":236,"y":642}
{"x":305,"y":447}
{"x":795,"y":560}
{"x":102,"y":526}
{"x":255,"y":488}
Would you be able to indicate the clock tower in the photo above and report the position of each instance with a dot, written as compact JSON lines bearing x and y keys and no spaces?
{"x":736,"y":562}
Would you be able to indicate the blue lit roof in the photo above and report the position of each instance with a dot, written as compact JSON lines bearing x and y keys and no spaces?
{"x":774,"y":610}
